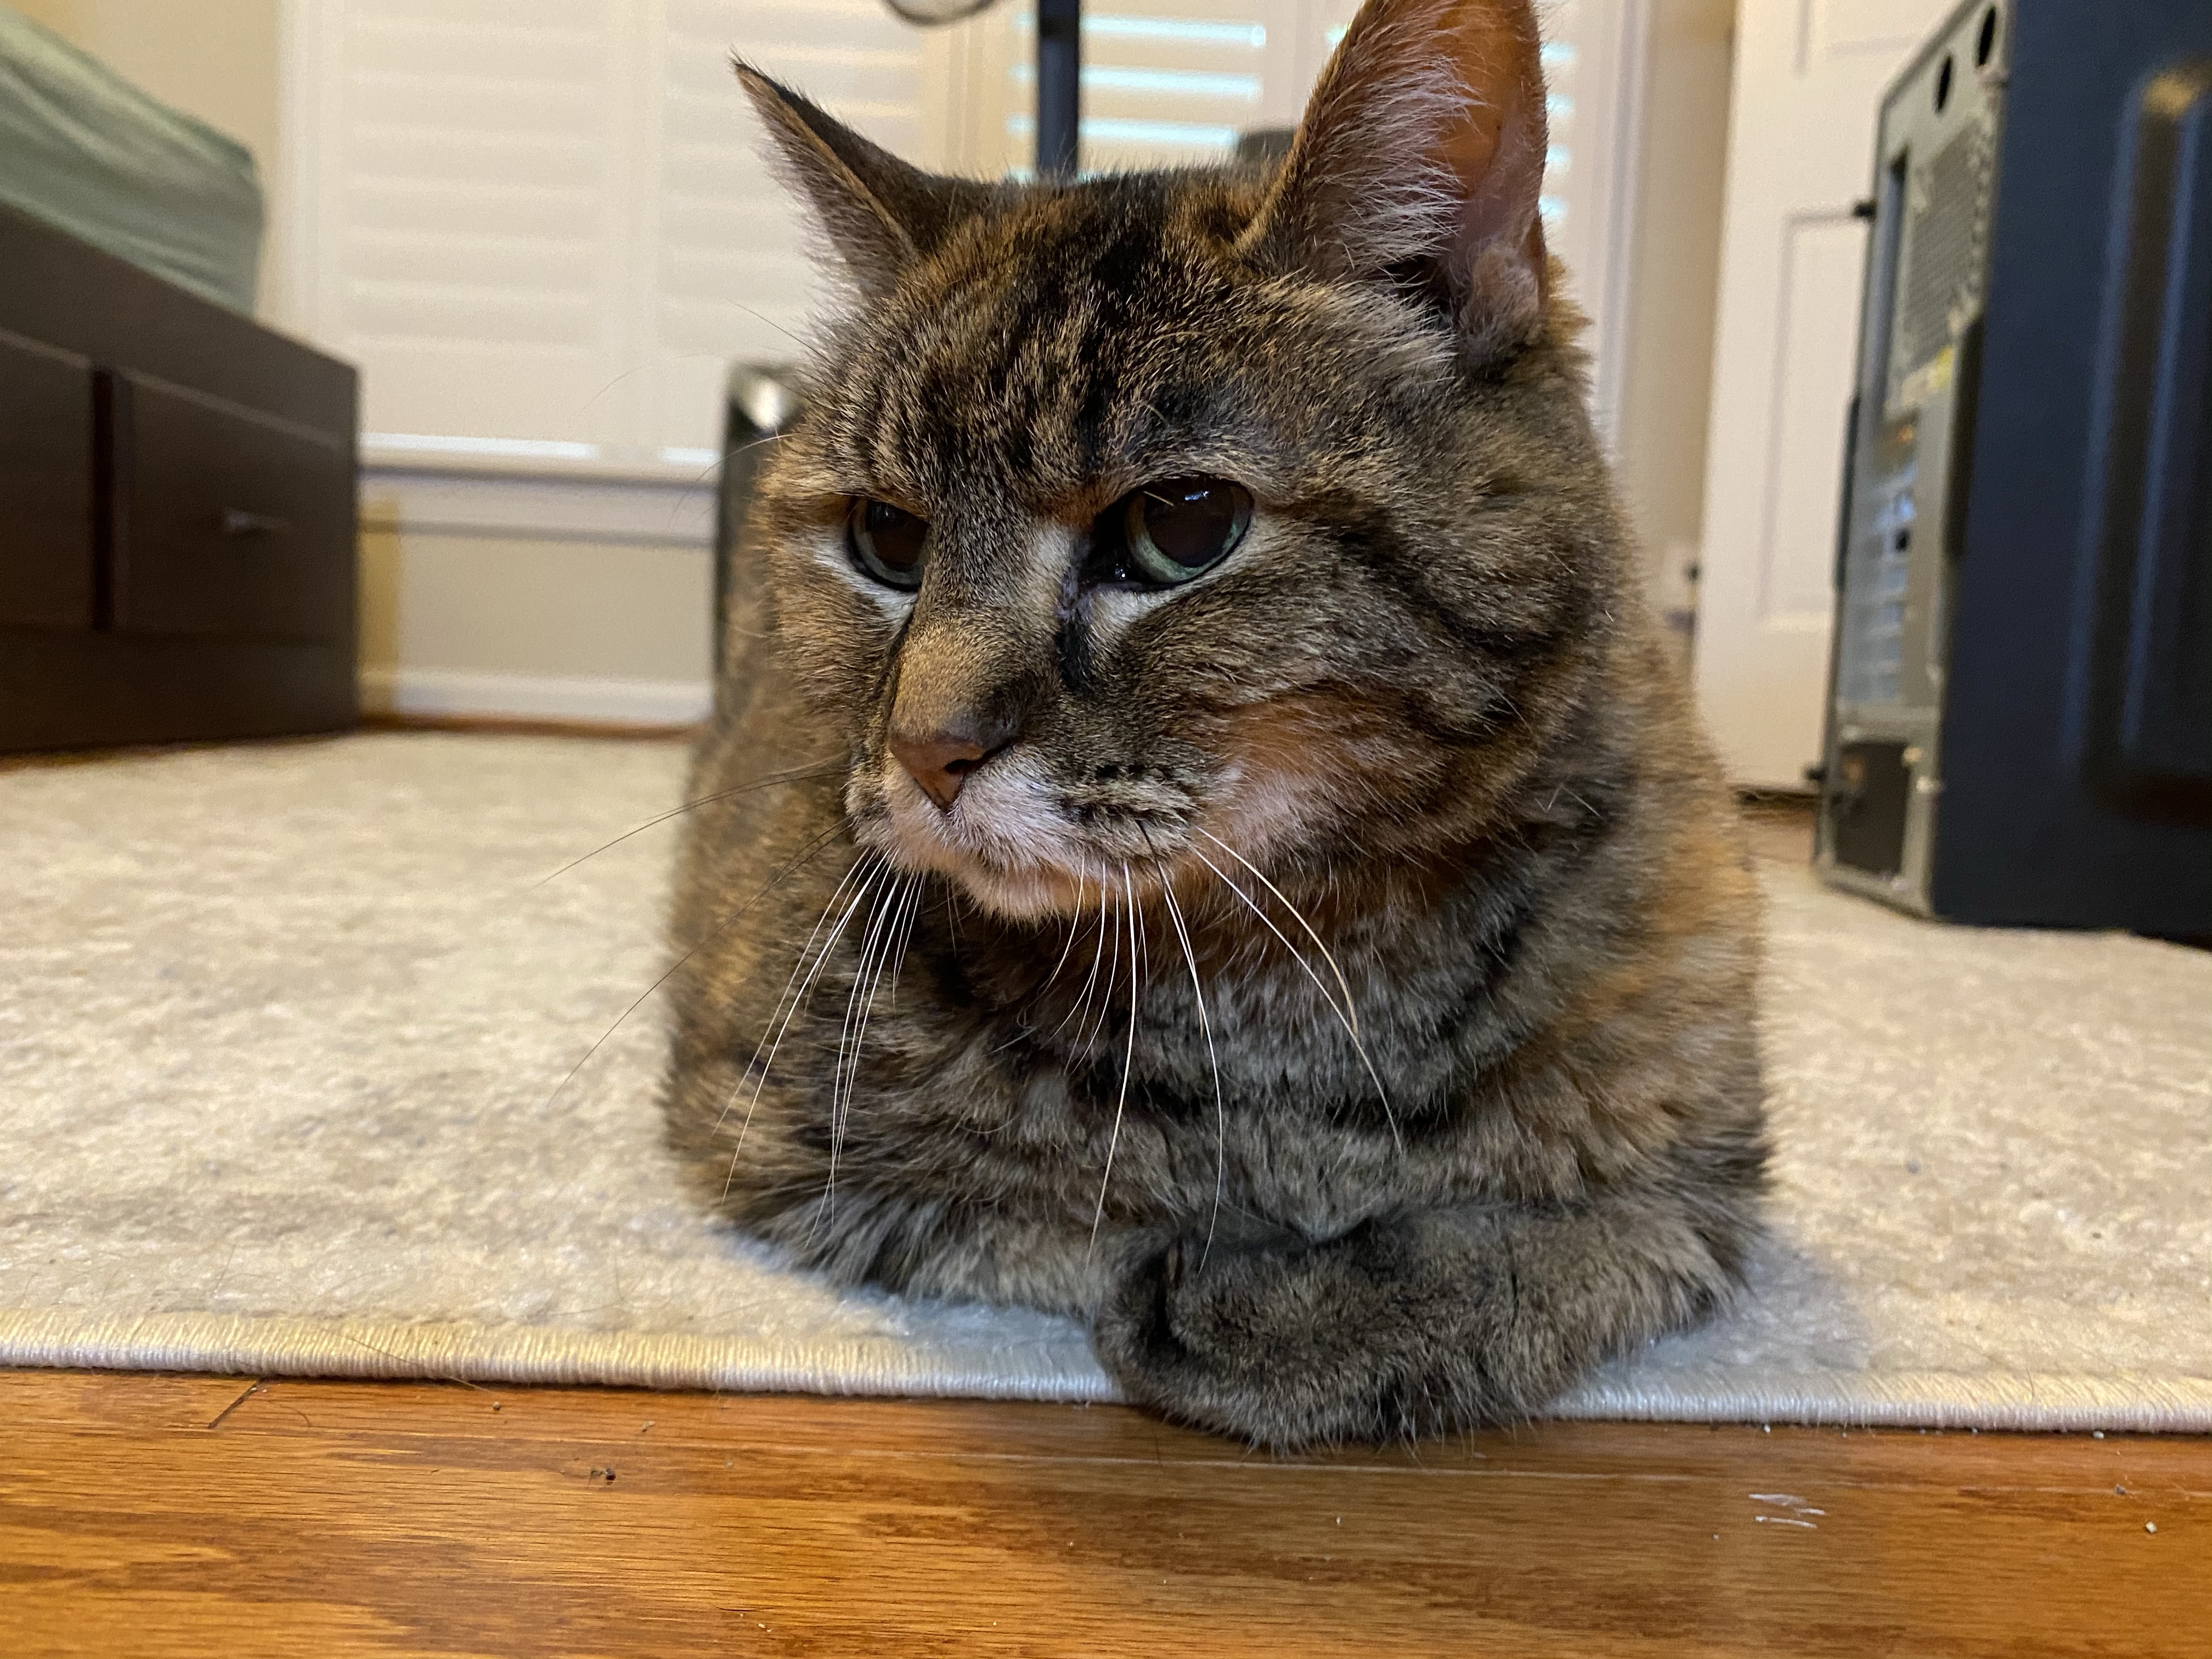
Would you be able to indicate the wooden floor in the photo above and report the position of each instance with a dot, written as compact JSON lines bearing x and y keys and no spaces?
{"x":169,"y":1516}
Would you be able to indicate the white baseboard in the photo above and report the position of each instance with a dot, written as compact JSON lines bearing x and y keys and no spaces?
{"x":637,"y":513}
{"x":459,"y":691}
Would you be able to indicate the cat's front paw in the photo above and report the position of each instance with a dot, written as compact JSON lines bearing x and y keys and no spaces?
{"x":1292,"y":1346}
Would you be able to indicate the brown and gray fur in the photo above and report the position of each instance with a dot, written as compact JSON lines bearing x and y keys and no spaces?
{"x":1472,"y":1099}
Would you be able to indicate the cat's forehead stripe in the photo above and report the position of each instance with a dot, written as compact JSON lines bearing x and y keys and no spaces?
{"x":1055,"y":354}
{"x":1038,"y":357}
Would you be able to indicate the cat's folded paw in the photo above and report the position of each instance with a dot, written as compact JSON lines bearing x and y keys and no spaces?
{"x":1346,"y":1341}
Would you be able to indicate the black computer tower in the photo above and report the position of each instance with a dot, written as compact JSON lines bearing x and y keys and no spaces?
{"x":2019,"y":722}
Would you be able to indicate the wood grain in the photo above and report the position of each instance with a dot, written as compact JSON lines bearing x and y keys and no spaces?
{"x":190,"y":1516}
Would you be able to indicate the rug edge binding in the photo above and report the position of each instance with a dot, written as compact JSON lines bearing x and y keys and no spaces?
{"x":241,"y":1345}
{"x":366,"y":1350}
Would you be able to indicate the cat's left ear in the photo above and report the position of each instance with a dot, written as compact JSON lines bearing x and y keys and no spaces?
{"x":880,"y":214}
{"x":1422,"y":151}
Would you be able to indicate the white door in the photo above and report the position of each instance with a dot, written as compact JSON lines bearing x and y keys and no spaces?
{"x":1808,"y":76}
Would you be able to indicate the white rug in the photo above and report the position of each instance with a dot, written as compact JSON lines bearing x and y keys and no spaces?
{"x":281,"y":1030}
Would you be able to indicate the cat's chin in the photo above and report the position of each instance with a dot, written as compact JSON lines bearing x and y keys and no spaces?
{"x":1030,"y":893}
{"x":991,"y":853}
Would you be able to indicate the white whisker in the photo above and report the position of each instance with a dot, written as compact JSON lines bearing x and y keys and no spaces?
{"x":1343,"y":1016}
{"x":1220,"y":1107}
{"x":879,"y":911}
{"x":791,"y":1008}
{"x":860,"y":862}
{"x":845,"y":1070}
{"x":1075,"y":926}
{"x":1113,"y":972}
{"x":1082,"y":1004}
{"x":1351,"y":1008}
{"x":720,"y":926}
{"x":1128,"y":1062}
{"x":906,"y":935}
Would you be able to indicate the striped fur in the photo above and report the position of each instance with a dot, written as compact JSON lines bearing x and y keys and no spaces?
{"x":1341,"y":993}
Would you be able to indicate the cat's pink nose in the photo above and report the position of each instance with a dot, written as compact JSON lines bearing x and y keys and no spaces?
{"x":940,"y":760}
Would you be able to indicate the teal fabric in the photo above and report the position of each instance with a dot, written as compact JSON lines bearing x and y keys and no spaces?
{"x":86,"y":152}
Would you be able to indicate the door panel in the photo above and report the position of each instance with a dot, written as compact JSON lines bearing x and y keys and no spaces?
{"x":1824,"y":259}
{"x":1808,"y":76}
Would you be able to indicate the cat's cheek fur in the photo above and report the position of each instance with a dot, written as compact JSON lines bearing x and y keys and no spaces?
{"x":834,"y":627}
{"x":1304,"y":767}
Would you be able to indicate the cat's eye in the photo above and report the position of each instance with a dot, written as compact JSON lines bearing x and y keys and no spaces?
{"x":887,"y":542}
{"x":1172,"y":530}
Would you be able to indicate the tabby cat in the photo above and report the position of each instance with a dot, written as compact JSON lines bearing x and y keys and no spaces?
{"x":1199,"y":832}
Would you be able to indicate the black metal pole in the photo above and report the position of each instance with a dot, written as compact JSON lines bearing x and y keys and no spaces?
{"x":1059,"y":85}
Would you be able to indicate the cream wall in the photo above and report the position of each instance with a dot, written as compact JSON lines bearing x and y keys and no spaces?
{"x":529,"y":626}
{"x":216,"y":59}
{"x":1674,"y":293}
{"x":213,"y":58}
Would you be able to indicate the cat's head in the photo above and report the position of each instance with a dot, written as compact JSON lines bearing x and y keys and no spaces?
{"x":1135,"y":520}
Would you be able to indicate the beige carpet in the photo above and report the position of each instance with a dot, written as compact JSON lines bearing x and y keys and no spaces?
{"x":281,"y":1030}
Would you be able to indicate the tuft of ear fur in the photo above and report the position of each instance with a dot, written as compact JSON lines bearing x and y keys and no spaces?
{"x":1423,"y":147}
{"x":878,"y":213}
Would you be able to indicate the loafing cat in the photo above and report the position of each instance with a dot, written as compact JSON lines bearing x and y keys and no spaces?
{"x":1262,"y":892}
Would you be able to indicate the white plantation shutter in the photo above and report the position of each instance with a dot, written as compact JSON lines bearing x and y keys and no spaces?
{"x":734,"y":277}
{"x":1593,"y":73}
{"x":1161,"y":83}
{"x":543,"y":228}
{"x":473,"y":257}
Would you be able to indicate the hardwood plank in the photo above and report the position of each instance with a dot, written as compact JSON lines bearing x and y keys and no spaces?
{"x":108,"y":1400}
{"x":794,"y":1423}
{"x":411,"y":1519}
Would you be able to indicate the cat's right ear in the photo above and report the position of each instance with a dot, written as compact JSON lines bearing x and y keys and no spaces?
{"x":1422,"y":151}
{"x":880,"y":214}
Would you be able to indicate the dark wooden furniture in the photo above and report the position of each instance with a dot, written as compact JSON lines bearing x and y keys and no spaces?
{"x":177,"y":491}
